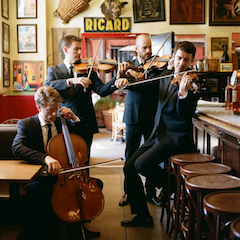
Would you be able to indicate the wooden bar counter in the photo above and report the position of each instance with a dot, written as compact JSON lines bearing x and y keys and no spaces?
{"x":217,"y":132}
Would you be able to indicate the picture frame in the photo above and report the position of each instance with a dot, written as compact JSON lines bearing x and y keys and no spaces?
{"x":180,"y":12}
{"x":148,"y":11}
{"x":6,"y":72}
{"x":220,"y":16}
{"x":226,"y":67}
{"x":217,"y":44}
{"x":34,"y":81}
{"x":5,"y":38}
{"x":26,"y":9}
{"x":27,"y":38}
{"x":5,"y":8}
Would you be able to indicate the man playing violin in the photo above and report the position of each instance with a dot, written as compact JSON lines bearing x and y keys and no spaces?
{"x":76,"y":90}
{"x":171,"y":134}
{"x":140,"y":109}
{"x":30,"y":144}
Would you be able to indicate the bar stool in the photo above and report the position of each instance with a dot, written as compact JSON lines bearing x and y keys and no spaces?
{"x":199,"y":169}
{"x":198,"y":186}
{"x":235,"y":229}
{"x":222,"y":205}
{"x":176,"y":161}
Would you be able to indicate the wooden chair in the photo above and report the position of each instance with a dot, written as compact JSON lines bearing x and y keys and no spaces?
{"x":118,"y":126}
{"x":11,"y":121}
{"x":235,"y":229}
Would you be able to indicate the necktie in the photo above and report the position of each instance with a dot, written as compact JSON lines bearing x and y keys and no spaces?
{"x":71,"y":71}
{"x":49,"y":132}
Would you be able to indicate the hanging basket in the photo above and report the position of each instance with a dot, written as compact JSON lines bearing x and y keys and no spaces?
{"x":67,"y":9}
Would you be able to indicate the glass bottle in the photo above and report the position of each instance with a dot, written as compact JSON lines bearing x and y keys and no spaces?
{"x":210,"y":55}
{"x":225,"y":57}
{"x":228,"y":95}
{"x":236,"y":93}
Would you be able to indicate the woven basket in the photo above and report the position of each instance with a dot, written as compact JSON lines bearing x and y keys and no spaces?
{"x":213,"y":65}
{"x":67,"y":9}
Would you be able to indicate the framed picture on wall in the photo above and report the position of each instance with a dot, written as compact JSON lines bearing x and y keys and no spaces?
{"x":5,"y":38}
{"x":148,"y":10}
{"x":6,"y":72}
{"x":223,"y":13}
{"x":27,"y":38}
{"x":187,"y":12}
{"x":217,"y":44}
{"x":26,"y":9}
{"x":5,"y":8}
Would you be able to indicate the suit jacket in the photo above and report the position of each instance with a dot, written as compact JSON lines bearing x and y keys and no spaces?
{"x":74,"y":97}
{"x":173,"y":121}
{"x":141,"y":102}
{"x":28,"y":143}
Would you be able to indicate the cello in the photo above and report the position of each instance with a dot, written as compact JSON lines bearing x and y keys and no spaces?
{"x":76,"y":197}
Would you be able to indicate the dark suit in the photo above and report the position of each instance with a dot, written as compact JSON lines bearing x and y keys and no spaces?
{"x":74,"y":97}
{"x":172,"y":133}
{"x":28,"y":144}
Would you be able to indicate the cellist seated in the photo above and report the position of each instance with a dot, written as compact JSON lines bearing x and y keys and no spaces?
{"x":30,"y":144}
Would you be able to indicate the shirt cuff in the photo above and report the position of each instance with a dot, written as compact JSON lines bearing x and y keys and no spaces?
{"x":182,"y":97}
{"x":68,"y":83}
{"x":77,"y":120}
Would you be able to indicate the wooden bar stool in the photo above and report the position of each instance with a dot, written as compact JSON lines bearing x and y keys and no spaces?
{"x":176,"y":161}
{"x":197,"y":186}
{"x":235,"y":229}
{"x":198,"y":169}
{"x":224,"y":206}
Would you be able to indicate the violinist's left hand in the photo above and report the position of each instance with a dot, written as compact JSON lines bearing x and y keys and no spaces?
{"x":122,"y":68}
{"x":67,"y":113}
{"x":121,"y":83}
{"x":185,"y":84}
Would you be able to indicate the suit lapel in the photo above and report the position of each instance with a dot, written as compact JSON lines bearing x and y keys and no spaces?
{"x":38,"y":132}
{"x":64,"y":70}
{"x":58,"y":125}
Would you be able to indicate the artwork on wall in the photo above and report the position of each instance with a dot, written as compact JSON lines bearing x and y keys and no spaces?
{"x":187,"y":12}
{"x":26,"y":9}
{"x":27,"y":75}
{"x":217,"y":44}
{"x":5,"y":8}
{"x":57,"y":35}
{"x":27,"y":38}
{"x":5,"y":38}
{"x":6,"y":72}
{"x":148,"y":10}
{"x":224,"y":13}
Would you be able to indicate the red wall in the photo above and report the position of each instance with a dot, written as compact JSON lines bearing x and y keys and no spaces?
{"x":16,"y":107}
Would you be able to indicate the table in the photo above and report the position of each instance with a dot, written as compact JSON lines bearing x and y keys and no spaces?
{"x":15,"y":172}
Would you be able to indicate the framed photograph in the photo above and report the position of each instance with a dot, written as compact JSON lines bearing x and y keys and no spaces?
{"x":6,"y":72}
{"x":148,"y":10}
{"x":27,"y":38}
{"x":217,"y":44}
{"x":224,"y":13}
{"x":5,"y":8}
{"x":187,"y":12}
{"x":226,"y":67}
{"x":57,"y":35}
{"x":27,"y":80}
{"x":26,"y":9}
{"x":5,"y":38}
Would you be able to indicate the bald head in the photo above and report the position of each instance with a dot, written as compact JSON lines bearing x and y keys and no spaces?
{"x":143,"y":47}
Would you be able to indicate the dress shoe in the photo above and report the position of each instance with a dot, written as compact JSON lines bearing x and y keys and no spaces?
{"x":154,"y":200}
{"x":124,"y":201}
{"x":138,"y":222}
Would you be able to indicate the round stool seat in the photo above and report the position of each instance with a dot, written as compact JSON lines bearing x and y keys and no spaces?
{"x":223,"y":203}
{"x":235,"y":228}
{"x":212,"y":182}
{"x":191,"y":158}
{"x":204,"y":168}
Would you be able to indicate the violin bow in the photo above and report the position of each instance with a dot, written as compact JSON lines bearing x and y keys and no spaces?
{"x":150,"y":64}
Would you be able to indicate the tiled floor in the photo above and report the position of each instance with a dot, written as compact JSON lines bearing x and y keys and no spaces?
{"x":108,"y":222}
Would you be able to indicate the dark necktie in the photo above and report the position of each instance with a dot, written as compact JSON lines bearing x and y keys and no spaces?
{"x":71,"y":71}
{"x":49,"y":132}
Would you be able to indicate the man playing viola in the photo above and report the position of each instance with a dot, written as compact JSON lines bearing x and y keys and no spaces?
{"x":171,"y":134}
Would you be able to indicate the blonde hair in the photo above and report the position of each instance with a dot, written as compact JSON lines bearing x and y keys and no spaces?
{"x":46,"y":95}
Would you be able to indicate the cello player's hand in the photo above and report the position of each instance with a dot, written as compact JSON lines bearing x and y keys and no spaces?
{"x":54,"y":166}
{"x":121,"y":83}
{"x":68,"y":113}
{"x":85,"y":82}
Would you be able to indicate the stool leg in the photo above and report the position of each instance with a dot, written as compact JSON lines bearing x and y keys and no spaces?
{"x":191,"y":219}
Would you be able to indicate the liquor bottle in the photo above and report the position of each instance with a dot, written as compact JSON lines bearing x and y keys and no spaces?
{"x":236,"y":93}
{"x":225,"y":57}
{"x":228,"y":95}
{"x":210,"y":55}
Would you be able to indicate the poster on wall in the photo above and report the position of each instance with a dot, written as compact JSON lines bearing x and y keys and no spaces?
{"x":27,"y":75}
{"x":5,"y":38}
{"x":5,"y":8}
{"x":57,"y":35}
{"x":26,"y":9}
{"x":6,"y":72}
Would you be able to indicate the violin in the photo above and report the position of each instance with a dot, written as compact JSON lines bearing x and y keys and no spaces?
{"x":159,"y":62}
